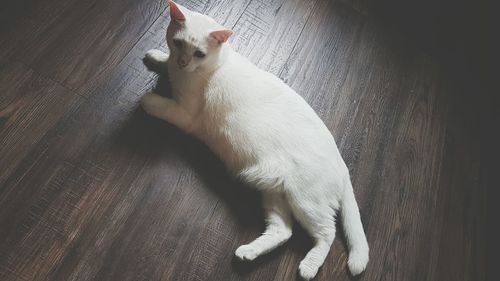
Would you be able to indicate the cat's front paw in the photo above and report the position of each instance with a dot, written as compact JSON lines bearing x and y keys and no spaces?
{"x":246,"y":253}
{"x":155,"y":56}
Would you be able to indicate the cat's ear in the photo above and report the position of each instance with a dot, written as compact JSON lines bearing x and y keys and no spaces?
{"x":176,"y":13}
{"x":221,"y":36}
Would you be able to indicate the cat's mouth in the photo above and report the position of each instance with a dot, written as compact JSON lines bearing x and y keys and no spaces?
{"x":187,"y":68}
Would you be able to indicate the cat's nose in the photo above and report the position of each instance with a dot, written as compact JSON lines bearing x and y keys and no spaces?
{"x":182,"y":62}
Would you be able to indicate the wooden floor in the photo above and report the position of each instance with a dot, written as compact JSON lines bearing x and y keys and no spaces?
{"x":93,"y":189}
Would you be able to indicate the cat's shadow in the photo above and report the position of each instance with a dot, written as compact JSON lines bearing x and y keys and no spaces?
{"x":156,"y":139}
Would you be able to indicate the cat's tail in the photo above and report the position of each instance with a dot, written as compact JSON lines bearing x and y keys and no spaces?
{"x":356,"y":239}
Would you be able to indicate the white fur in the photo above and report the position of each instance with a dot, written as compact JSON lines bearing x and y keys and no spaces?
{"x":266,"y":134}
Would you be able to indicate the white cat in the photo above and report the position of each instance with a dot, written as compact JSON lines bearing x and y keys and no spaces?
{"x":264,"y":132}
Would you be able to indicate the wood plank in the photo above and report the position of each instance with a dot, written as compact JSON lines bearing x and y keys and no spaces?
{"x":266,"y":33}
{"x":30,"y":105}
{"x":462,"y":242}
{"x":80,"y":42}
{"x":84,"y":169}
{"x":21,"y":20}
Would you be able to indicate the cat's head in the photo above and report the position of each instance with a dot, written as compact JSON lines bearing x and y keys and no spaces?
{"x":194,"y":40}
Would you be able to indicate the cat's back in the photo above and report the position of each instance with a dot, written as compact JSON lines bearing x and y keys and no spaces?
{"x":261,"y":107}
{"x":240,"y":79}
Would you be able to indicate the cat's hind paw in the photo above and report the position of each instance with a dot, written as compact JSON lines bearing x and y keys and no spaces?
{"x":357,"y":262}
{"x":307,"y":271}
{"x":246,"y":253}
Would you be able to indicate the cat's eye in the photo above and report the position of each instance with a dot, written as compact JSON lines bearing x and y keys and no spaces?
{"x":199,"y":54}
{"x":178,"y":43}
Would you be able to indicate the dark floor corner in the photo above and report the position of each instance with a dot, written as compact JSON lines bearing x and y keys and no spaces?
{"x":93,"y":189}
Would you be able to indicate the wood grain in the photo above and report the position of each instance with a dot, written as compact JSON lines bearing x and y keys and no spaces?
{"x":60,"y":47}
{"x":91,"y":188}
{"x":30,"y":105}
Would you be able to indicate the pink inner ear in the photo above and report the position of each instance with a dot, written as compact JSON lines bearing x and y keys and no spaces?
{"x":175,"y":12}
{"x":221,"y":35}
